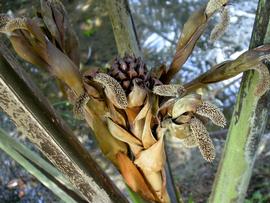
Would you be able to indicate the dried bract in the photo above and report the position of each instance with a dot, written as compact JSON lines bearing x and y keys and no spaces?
{"x":221,"y":27}
{"x":172,"y":90}
{"x":214,"y":5}
{"x":79,"y":105}
{"x":8,"y":25}
{"x":113,"y":90}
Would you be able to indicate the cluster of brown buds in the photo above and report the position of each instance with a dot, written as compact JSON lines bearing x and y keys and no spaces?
{"x":129,"y":108}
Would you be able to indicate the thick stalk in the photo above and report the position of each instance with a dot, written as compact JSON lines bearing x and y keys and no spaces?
{"x":127,"y":42}
{"x":123,"y":27}
{"x":33,"y":115}
{"x":47,"y":174}
{"x":247,"y":125}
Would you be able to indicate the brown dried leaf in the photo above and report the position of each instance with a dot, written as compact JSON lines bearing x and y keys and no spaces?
{"x":63,"y":68}
{"x":188,"y":103}
{"x":43,"y":52}
{"x":192,"y":31}
{"x":92,"y":91}
{"x":25,"y":50}
{"x":116,"y":116}
{"x":109,"y":145}
{"x":132,"y":113}
{"x":155,"y":179}
{"x":153,"y":158}
{"x":137,"y":96}
{"x":47,"y":16}
{"x":137,"y":128}
{"x":166,"y":107}
{"x":133,"y":177}
{"x":143,"y":112}
{"x":121,"y":134}
{"x":56,"y":20}
{"x":180,"y":131}
{"x":147,"y":135}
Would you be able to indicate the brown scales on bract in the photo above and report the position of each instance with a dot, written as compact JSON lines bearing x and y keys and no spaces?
{"x":3,"y":19}
{"x":172,"y":90}
{"x":205,"y":143}
{"x":113,"y":89}
{"x":79,"y":105}
{"x":212,"y":112}
{"x":190,"y":141}
{"x":8,"y":25}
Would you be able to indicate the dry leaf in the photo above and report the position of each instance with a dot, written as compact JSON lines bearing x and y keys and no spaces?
{"x":153,"y":158}
{"x":188,"y":103}
{"x":121,"y":134}
{"x":133,"y":177}
{"x":137,"y":96}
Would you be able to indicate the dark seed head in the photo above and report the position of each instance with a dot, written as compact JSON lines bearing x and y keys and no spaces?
{"x":130,"y":69}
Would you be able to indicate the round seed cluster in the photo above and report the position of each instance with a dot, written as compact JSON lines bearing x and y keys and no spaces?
{"x":129,"y":70}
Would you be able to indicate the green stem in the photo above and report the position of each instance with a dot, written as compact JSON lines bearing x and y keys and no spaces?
{"x":41,"y":169}
{"x":123,"y":27}
{"x":135,"y":198}
{"x":247,"y":125}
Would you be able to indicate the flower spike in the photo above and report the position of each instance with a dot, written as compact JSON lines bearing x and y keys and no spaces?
{"x":204,"y":141}
{"x":212,"y":112}
{"x":172,"y":90}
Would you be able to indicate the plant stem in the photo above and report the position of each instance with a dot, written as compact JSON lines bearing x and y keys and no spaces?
{"x":41,"y":169}
{"x":123,"y":27}
{"x":247,"y":125}
{"x":135,"y":198}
